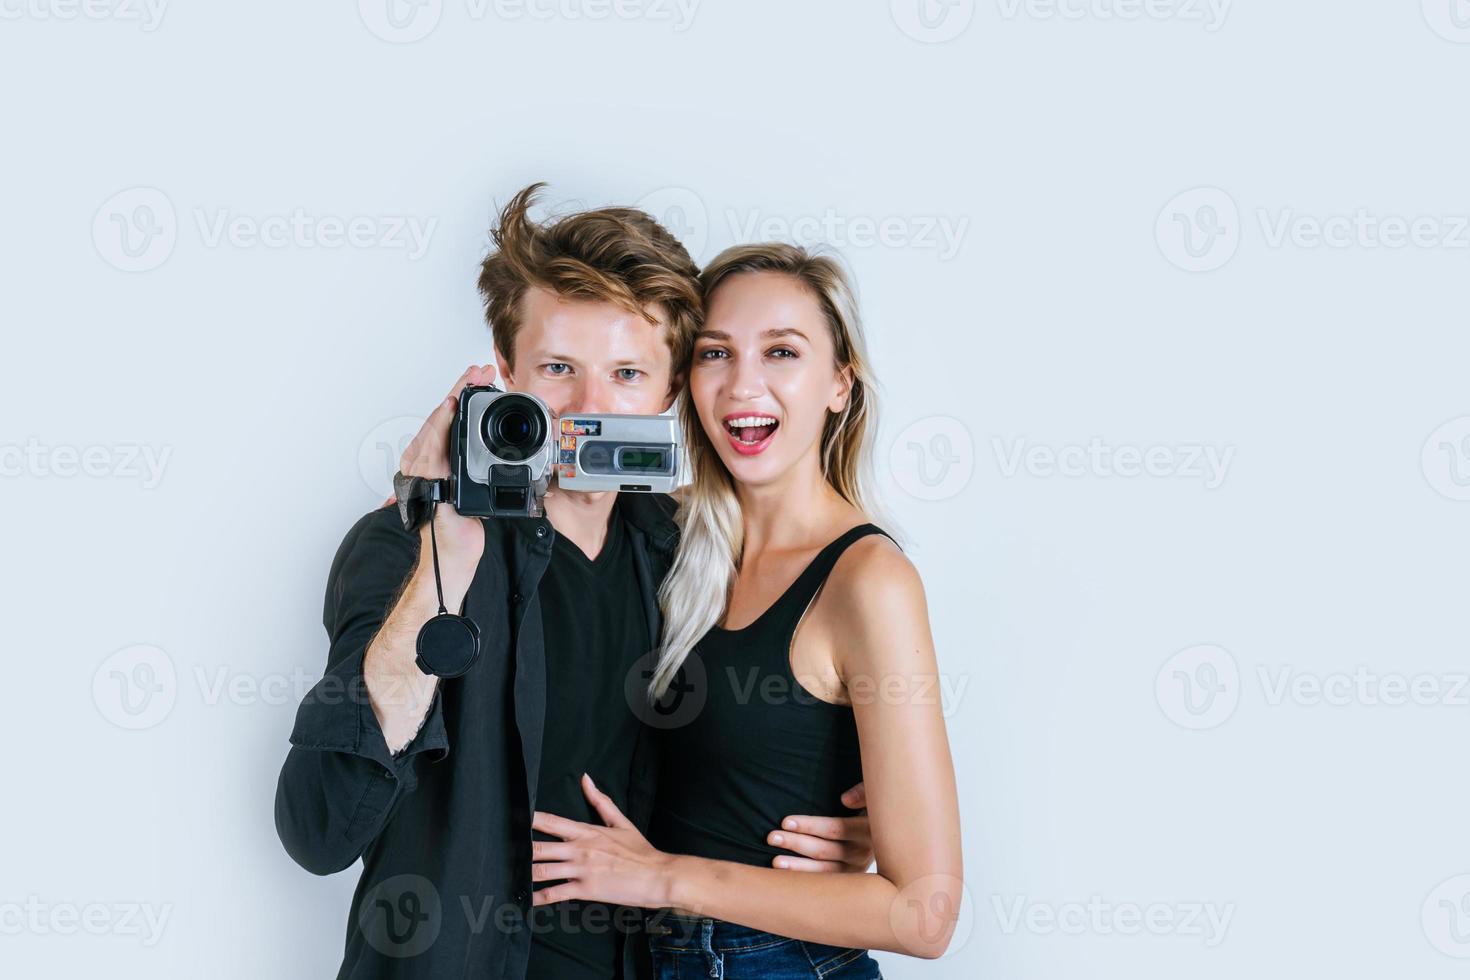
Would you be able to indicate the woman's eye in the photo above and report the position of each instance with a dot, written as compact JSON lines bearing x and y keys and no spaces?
{"x":711,"y":353}
{"x":784,"y":352}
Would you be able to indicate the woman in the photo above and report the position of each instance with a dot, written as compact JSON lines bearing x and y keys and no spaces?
{"x":798,"y":630}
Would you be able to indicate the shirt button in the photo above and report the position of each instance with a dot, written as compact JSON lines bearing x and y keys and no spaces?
{"x":540,"y":530}
{"x":521,"y":896}
{"x":515,"y":597}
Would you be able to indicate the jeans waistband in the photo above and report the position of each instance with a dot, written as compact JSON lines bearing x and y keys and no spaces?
{"x":669,"y":929}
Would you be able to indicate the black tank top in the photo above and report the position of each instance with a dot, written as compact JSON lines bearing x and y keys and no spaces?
{"x":756,"y":746}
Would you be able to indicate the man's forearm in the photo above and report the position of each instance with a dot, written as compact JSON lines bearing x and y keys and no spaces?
{"x":401,"y":693}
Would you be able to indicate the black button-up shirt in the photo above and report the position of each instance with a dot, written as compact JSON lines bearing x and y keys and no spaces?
{"x":443,"y":828}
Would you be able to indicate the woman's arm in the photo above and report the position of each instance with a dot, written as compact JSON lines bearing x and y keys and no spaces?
{"x":911,"y":904}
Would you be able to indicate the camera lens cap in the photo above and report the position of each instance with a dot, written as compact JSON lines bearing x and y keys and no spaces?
{"x":448,"y":645}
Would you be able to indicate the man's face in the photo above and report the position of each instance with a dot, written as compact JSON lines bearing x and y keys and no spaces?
{"x":587,"y":357}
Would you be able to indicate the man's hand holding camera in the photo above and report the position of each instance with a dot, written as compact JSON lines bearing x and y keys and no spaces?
{"x":399,"y":691}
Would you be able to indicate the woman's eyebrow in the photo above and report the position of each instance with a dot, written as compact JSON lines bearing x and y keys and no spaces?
{"x":772,"y":332}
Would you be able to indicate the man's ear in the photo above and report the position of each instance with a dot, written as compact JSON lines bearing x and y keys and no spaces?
{"x":676,"y":385}
{"x":502,"y":368}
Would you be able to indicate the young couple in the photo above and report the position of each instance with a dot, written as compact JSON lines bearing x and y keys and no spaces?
{"x":675,"y":696}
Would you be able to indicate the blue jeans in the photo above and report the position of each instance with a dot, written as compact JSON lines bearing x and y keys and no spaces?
{"x":685,"y":948}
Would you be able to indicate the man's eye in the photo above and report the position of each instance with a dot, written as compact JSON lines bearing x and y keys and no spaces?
{"x":629,"y":374}
{"x":556,"y":369}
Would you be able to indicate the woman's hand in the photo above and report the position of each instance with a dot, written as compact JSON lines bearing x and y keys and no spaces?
{"x":613,"y":864}
{"x":827,"y":843}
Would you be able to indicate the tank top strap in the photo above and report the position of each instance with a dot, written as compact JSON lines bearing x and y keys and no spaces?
{"x":788,"y":610}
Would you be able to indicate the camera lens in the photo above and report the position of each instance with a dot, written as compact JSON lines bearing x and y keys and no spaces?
{"x":515,"y":428}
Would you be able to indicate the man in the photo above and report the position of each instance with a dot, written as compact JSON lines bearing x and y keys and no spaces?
{"x":433,"y":782}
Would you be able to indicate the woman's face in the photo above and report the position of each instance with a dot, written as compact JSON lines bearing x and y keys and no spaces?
{"x":763,"y":377}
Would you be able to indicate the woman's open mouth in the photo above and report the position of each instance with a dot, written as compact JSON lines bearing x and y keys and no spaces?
{"x":750,"y":434}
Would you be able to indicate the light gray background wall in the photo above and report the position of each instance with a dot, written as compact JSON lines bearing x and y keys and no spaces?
{"x":1169,"y":303}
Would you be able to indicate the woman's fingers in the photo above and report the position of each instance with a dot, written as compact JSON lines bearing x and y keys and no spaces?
{"x":557,"y":871}
{"x":806,"y":864}
{"x":550,"y":823}
{"x":856,"y":798}
{"x":806,"y":845}
{"x":552,"y":850}
{"x":603,"y":804}
{"x":556,"y":893}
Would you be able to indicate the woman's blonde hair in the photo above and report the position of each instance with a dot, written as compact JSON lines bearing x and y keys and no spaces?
{"x":696,"y":591}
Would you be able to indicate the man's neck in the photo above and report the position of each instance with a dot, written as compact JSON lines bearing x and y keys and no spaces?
{"x":581,"y":518}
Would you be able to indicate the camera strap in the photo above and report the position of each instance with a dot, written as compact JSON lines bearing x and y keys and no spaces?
{"x":449,"y":644}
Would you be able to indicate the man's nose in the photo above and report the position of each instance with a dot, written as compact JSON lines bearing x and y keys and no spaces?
{"x":591,"y":396}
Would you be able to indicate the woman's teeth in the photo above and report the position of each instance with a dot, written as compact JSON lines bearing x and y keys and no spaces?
{"x":751,"y":429}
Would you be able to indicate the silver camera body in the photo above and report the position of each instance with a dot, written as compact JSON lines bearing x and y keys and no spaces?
{"x":505,"y":446}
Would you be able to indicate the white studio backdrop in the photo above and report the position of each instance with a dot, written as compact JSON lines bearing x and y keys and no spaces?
{"x":1168,"y":302}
